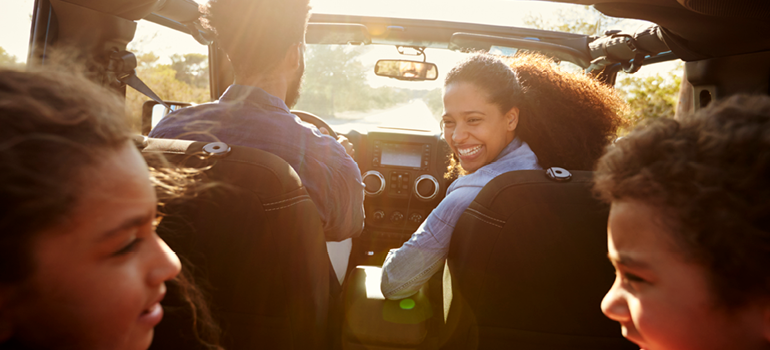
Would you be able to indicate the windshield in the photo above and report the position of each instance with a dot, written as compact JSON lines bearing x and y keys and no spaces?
{"x":340,"y":86}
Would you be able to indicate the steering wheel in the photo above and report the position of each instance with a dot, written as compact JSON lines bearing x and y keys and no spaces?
{"x":315,"y":120}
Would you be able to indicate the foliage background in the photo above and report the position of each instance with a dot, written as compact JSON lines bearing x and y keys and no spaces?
{"x":335,"y":83}
{"x":648,"y":96}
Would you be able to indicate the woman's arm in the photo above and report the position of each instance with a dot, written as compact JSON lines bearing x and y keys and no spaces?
{"x":407,"y":268}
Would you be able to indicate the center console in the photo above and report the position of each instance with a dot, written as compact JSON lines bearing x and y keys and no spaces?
{"x":403,"y":177}
{"x":400,"y":169}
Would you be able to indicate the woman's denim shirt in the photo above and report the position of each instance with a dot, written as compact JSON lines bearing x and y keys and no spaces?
{"x":407,"y":268}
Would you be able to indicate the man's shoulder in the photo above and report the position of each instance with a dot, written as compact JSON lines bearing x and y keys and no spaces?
{"x":227,"y":115}
{"x":228,"y":110}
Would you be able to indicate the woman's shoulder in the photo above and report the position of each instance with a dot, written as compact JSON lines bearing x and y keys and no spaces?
{"x":514,"y":157}
{"x":520,"y":157}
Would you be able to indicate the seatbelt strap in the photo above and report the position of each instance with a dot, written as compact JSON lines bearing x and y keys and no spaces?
{"x":123,"y":65}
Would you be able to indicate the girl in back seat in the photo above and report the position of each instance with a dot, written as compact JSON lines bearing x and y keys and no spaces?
{"x":82,"y":267}
{"x":501,"y":116}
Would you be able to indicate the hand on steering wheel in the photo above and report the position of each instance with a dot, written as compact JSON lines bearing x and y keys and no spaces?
{"x":315,"y":120}
{"x":326,"y":130}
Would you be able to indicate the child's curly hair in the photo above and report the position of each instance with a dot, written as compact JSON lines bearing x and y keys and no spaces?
{"x":708,"y":174}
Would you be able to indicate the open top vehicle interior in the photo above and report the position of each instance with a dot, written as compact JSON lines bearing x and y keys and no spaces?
{"x":270,"y":292}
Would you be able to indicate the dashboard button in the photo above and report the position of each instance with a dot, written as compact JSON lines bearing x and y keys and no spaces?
{"x":378,"y":215}
{"x":415,"y":218}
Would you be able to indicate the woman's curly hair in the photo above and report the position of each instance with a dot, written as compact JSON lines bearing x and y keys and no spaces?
{"x":708,"y":174}
{"x":566,"y":118}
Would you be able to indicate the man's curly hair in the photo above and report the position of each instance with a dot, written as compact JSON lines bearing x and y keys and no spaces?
{"x":708,"y":174}
{"x":255,"y":34}
{"x":566,"y":118}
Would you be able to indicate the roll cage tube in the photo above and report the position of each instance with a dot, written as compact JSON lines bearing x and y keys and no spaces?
{"x":628,"y":50}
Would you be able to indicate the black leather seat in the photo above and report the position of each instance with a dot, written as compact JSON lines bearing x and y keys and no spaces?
{"x":256,"y":244}
{"x":528,"y":268}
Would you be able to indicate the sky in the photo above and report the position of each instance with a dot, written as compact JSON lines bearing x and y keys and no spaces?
{"x":16,"y":16}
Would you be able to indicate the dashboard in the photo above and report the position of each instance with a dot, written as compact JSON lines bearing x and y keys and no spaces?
{"x":403,"y":173}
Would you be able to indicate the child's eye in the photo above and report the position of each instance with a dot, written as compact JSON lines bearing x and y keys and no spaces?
{"x":473,"y":120}
{"x":446,"y":123}
{"x":631,"y":278}
{"x":129,"y":248}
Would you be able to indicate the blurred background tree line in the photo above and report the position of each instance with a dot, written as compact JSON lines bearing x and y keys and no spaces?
{"x":184,"y":79}
{"x":335,"y":80}
{"x":9,"y":61}
{"x":648,"y":96}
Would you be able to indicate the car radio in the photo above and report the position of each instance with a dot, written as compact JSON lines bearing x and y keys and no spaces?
{"x":412,"y":156}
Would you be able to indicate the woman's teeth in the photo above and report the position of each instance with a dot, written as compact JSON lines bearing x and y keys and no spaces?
{"x":468,"y":151}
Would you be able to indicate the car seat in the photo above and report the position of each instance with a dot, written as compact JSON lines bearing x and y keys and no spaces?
{"x":528,"y":267}
{"x":254,"y":243}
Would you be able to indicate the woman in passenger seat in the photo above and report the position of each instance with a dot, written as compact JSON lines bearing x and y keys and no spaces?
{"x":689,"y":229}
{"x":501,"y":116}
{"x":82,"y":266}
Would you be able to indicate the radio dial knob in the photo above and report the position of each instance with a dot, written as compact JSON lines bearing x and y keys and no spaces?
{"x":378,"y":215}
{"x":396,"y":217}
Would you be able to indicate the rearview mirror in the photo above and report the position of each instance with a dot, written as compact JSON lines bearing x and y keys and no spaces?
{"x":406,"y":70}
{"x":153,"y":112}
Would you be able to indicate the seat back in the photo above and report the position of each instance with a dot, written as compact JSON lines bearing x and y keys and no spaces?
{"x":255,"y":244}
{"x":528,"y":267}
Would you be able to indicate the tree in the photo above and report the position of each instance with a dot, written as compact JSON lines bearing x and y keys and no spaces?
{"x":333,"y":75}
{"x":165,"y":81}
{"x":651,"y":97}
{"x":191,"y":68}
{"x":9,"y":61}
{"x":579,"y":20}
{"x":335,"y":82}
{"x":654,"y":96}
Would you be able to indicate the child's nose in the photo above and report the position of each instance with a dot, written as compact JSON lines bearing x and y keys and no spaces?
{"x":614,"y":304}
{"x":167,"y":264}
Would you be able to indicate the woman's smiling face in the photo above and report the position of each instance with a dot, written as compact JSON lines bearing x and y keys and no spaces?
{"x":475,"y":129}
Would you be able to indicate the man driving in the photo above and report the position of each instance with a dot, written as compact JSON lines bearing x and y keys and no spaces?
{"x":264,"y":41}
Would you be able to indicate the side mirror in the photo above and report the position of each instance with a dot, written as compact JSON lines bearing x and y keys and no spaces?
{"x":153,"y":112}
{"x":406,"y":70}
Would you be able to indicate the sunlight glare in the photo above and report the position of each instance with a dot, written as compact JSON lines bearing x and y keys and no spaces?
{"x":373,"y":278}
